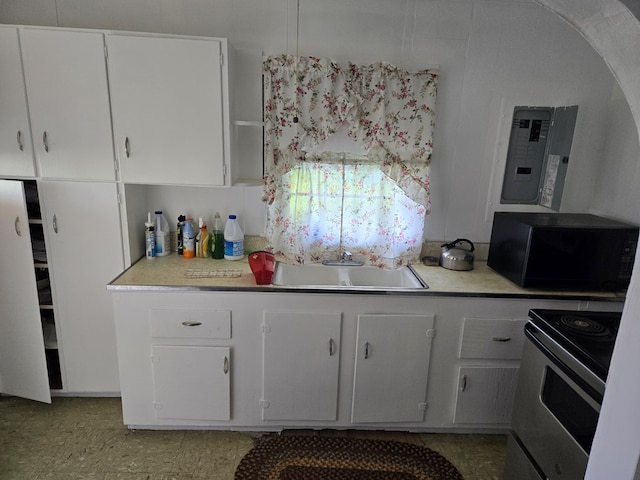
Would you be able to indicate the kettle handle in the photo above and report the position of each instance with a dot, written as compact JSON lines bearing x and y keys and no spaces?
{"x":459,"y":240}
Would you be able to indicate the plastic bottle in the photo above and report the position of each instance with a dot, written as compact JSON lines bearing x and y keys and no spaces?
{"x":149,"y":238}
{"x":163,"y":241}
{"x":188,"y":239}
{"x":216,"y":243}
{"x":205,"y":242}
{"x":196,"y":240}
{"x":233,"y":240}
{"x":202,"y":240}
{"x":181,"y":219}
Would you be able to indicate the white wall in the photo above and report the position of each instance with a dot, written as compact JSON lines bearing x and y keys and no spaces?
{"x":492,"y":55}
{"x":617,"y":193}
{"x":615,"y":33}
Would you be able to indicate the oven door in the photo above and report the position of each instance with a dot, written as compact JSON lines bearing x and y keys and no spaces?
{"x":518,"y":465}
{"x":556,"y":408}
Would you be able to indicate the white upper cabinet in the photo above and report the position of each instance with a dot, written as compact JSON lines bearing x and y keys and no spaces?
{"x":68,"y":97}
{"x":16,"y":156}
{"x":170,"y":108}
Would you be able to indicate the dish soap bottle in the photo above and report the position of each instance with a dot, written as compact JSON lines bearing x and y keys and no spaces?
{"x":217,"y":238}
{"x":202,"y":240}
{"x":163,"y":241}
{"x":233,"y":240}
{"x":149,"y":238}
{"x":188,"y":239}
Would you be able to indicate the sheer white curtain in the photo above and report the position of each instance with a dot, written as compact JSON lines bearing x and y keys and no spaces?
{"x":320,"y":204}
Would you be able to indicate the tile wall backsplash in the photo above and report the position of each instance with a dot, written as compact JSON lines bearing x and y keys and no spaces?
{"x":432,"y":249}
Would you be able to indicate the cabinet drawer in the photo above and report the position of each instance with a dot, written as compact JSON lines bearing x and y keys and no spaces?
{"x":492,"y":338}
{"x":173,"y":323}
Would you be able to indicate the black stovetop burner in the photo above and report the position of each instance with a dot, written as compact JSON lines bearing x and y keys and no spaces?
{"x":589,"y":336}
{"x":586,"y":327}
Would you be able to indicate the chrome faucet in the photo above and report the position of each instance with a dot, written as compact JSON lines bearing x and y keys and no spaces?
{"x":346,"y":259}
{"x":346,"y":256}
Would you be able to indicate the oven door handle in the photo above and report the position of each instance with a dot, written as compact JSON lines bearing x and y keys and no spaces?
{"x":531,"y":333}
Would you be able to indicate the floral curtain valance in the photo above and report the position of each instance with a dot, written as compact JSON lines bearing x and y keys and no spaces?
{"x":390,"y":112}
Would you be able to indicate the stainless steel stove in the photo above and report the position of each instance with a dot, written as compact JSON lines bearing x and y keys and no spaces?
{"x":560,"y":389}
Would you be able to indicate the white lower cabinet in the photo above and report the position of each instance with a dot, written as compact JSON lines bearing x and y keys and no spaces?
{"x":23,"y":365}
{"x":61,"y":246}
{"x":301,"y":366}
{"x":272,"y":360}
{"x":392,"y":368}
{"x":191,"y":376}
{"x":485,"y":394}
{"x":84,"y":249}
{"x":486,"y":391}
{"x":191,"y":382}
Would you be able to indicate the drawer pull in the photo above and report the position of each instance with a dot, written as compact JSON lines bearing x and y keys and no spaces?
{"x":45,"y":141}
{"x":501,"y":339}
{"x":366,"y":350}
{"x":16,"y":225}
{"x":19,"y":140}
{"x":127,"y":150}
{"x":331,"y":347}
{"x":191,"y":324}
{"x":225,"y":366}
{"x":463,"y":383}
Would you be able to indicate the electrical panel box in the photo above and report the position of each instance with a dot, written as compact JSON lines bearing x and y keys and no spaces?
{"x":538,"y":155}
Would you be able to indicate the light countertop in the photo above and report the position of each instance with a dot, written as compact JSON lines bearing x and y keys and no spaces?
{"x":174,"y":272}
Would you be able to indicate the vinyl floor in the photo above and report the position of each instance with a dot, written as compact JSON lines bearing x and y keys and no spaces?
{"x":84,"y":438}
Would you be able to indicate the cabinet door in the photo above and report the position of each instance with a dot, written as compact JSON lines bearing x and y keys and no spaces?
{"x":23,"y":367}
{"x":82,"y":224}
{"x":485,"y":394}
{"x":191,"y":383}
{"x":301,"y":362}
{"x":66,"y":80}
{"x":16,"y":156}
{"x":168,"y":109}
{"x":392,"y":367}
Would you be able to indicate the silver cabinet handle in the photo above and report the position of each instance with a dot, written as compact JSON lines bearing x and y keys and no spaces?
{"x":225,"y":366}
{"x":54,"y":223}
{"x":331,"y":347}
{"x":19,"y":140}
{"x":127,"y":151}
{"x":500,"y":339}
{"x":191,"y":324}
{"x":45,"y":141}
{"x":366,"y":350}
{"x":17,"y":226}
{"x":463,"y":384}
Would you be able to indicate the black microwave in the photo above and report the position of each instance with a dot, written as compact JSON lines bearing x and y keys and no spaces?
{"x":572,"y":251}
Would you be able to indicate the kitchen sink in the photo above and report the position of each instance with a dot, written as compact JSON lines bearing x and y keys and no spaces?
{"x":339,"y":276}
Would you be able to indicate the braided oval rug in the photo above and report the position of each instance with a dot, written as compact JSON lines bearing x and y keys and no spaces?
{"x":339,"y":458}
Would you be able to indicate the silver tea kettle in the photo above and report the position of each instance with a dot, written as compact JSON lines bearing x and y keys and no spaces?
{"x":454,"y":258}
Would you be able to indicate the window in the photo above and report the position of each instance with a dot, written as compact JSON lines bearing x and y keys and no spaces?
{"x":340,"y":202}
{"x":372,"y":202}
